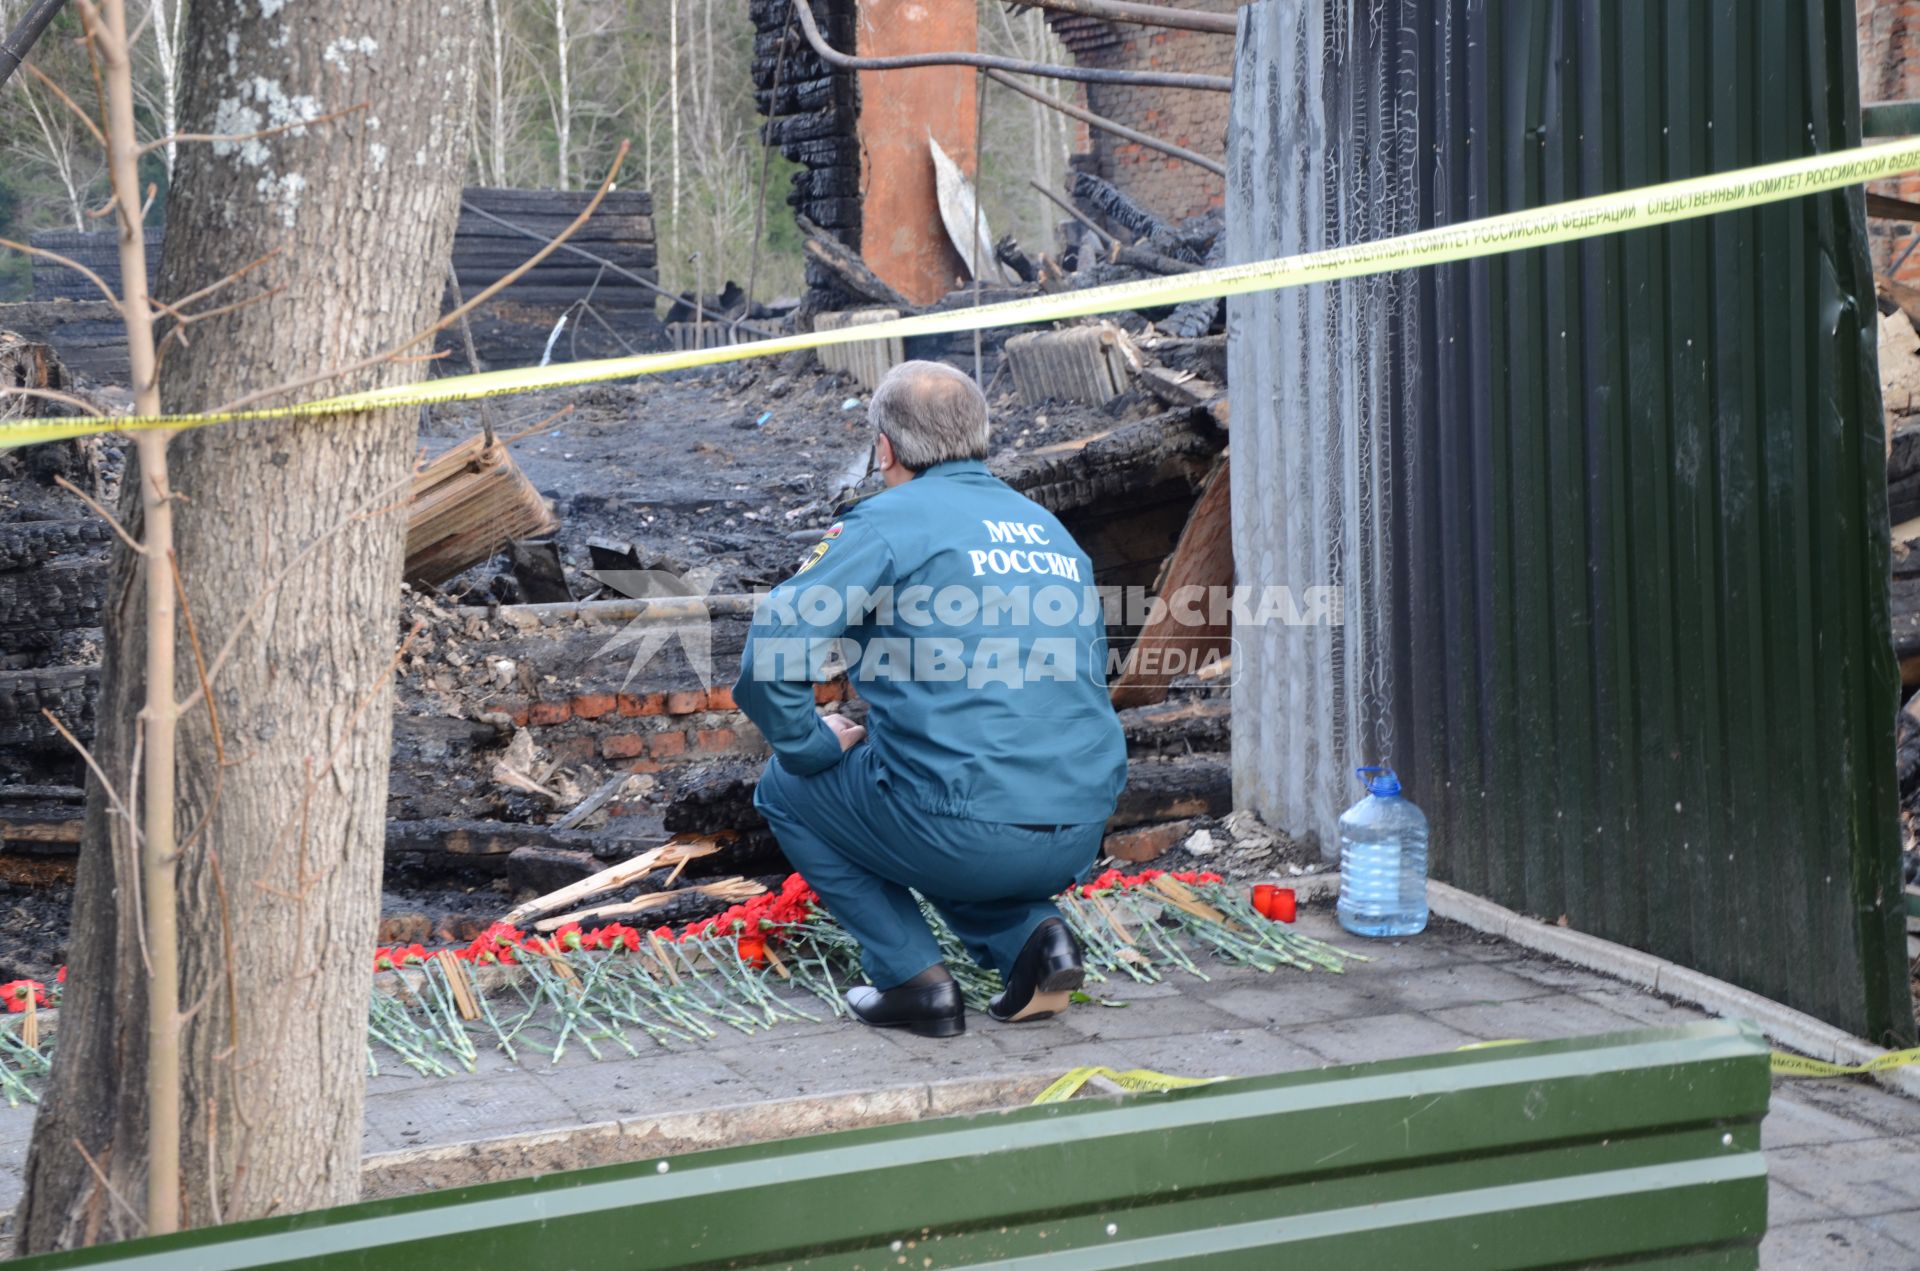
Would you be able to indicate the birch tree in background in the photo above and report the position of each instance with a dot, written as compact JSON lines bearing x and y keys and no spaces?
{"x":563,"y":99}
{"x":165,"y":18}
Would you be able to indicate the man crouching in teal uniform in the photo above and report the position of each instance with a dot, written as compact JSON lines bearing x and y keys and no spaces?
{"x":991,"y":757}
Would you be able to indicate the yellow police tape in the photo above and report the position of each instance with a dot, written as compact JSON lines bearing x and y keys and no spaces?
{"x":1134,"y":1079}
{"x":1785,"y":1065}
{"x":1143,"y":1080}
{"x":1641,"y":208}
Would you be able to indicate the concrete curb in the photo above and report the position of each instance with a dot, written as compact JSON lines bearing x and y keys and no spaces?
{"x":1784,"y":1025}
{"x":675,"y":1133}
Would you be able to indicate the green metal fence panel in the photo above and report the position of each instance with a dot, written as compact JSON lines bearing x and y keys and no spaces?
{"x":1640,"y":1148}
{"x":1610,"y":517}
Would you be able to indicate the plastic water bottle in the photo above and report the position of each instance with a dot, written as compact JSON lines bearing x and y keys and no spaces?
{"x":1383,"y":861}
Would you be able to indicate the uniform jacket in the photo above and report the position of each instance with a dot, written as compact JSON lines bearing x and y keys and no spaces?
{"x":967,"y":618}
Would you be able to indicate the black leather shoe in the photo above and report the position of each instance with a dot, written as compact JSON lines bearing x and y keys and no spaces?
{"x":928,"y":1005}
{"x":1045,"y":975}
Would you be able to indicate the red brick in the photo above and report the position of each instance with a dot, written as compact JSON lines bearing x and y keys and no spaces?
{"x":720,"y":699}
{"x":664,"y":745}
{"x":1145,"y":843}
{"x":715,"y":739}
{"x":549,"y":713}
{"x":643,"y":765}
{"x":592,"y":705}
{"x":513,"y":708}
{"x":828,"y":694}
{"x":687,"y":702}
{"x":623,"y":745}
{"x":642,"y":703}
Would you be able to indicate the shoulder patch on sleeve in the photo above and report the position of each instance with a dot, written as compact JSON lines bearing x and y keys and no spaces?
{"x":813,"y":556}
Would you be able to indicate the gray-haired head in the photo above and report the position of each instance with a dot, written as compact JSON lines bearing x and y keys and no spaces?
{"x":931,"y":413}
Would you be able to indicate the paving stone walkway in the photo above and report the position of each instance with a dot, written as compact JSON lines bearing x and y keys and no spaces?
{"x":1843,"y":1156}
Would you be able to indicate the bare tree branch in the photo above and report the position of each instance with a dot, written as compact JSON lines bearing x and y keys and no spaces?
{"x":227,"y":281}
{"x":66,"y":101}
{"x":54,"y":395}
{"x":235,"y":138}
{"x":112,"y":523}
{"x":67,"y":261}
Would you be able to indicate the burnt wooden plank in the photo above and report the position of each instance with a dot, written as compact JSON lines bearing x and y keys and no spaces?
{"x":25,"y":544}
{"x":72,"y":693}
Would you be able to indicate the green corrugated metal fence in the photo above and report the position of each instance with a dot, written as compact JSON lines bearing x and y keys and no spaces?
{"x":1614,"y":532}
{"x":1641,"y":1148}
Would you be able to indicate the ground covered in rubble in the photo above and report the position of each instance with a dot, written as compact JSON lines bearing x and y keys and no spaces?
{"x":711,"y":471}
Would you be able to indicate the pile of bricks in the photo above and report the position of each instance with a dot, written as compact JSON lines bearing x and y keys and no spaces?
{"x":644,"y":731}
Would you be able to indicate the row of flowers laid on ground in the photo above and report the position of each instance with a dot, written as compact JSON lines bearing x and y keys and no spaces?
{"x":754,"y":923}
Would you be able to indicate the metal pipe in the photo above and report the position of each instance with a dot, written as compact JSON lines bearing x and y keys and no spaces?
{"x":602,"y":261}
{"x":655,"y":609}
{"x":1107,"y":125}
{"x":1086,"y":75}
{"x":20,"y":40}
{"x":1139,"y":14}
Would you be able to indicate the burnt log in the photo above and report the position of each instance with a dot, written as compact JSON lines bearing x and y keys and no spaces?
{"x":25,"y":544}
{"x":36,"y":604}
{"x":1096,"y":196}
{"x":851,"y":271}
{"x":1174,"y":789}
{"x":715,"y":801}
{"x":1123,"y":464}
{"x":439,"y":846}
{"x":508,"y":201}
{"x":503,"y":255}
{"x":1197,"y":317}
{"x":72,"y":693}
{"x":538,"y":868}
{"x":1177,"y":729}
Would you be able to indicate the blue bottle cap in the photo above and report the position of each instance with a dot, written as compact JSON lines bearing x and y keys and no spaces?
{"x":1379,"y":781}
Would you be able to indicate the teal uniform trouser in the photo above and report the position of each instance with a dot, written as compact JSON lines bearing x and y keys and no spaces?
{"x":861,"y":845}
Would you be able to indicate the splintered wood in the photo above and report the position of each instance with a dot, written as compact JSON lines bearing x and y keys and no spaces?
{"x":1172,"y":644}
{"x":672,"y":854}
{"x":457,"y":982}
{"x":466,"y":504}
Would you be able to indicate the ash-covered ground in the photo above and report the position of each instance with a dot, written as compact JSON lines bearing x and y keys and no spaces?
{"x":712,"y":471}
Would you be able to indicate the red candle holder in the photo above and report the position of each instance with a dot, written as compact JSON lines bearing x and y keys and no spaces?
{"x":1263,"y":898}
{"x":1283,"y":906}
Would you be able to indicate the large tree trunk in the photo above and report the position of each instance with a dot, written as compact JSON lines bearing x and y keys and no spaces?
{"x":279,"y":896}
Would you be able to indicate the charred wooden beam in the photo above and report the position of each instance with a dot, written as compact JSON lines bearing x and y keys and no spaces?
{"x":1177,"y":448}
{"x":1108,"y":200}
{"x":1173,"y":730}
{"x":1173,"y":789}
{"x":72,"y":693}
{"x":25,"y":544}
{"x":36,"y":604}
{"x":847,"y":266}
